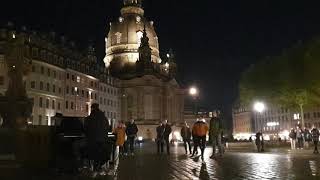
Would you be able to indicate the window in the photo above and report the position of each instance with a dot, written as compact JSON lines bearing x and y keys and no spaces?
{"x":53,"y":104}
{"x":59,"y":106}
{"x":78,"y":79}
{"x":72,"y":77}
{"x":47,"y":120}
{"x":40,"y":102}
{"x":72,"y":105}
{"x":87,"y":94}
{"x":67,"y":90}
{"x":104,"y":101}
{"x":48,"y":72}
{"x":33,"y":84}
{"x":54,"y":88}
{"x":40,"y":120}
{"x":118,"y":37}
{"x":67,"y":104}
{"x":41,"y":85}
{"x":47,"y":103}
{"x":87,"y":108}
{"x":42,"y":70}
{"x":82,"y":93}
{"x":1,"y":80}
{"x":48,"y":87}
{"x":67,"y":75}
{"x":72,"y":90}
{"x":91,"y":84}
{"x":95,"y":85}
{"x":59,"y":90}
{"x":139,"y":36}
{"x":95,"y":96}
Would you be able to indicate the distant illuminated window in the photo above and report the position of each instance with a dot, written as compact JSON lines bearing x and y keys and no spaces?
{"x":13,"y":35}
{"x":138,"y":19}
{"x":121,"y":19}
{"x":139,"y":36}
{"x":118,"y":37}
{"x":78,"y":79}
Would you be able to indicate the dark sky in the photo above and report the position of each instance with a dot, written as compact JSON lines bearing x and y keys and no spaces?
{"x":213,"y":40}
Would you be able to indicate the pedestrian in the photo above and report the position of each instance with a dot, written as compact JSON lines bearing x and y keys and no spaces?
{"x":259,"y":141}
{"x":215,"y":131}
{"x":315,"y":137}
{"x":300,"y":137}
{"x":293,"y":138}
{"x":166,"y":134}
{"x":195,"y":140}
{"x":186,"y":136}
{"x":306,"y":137}
{"x":160,"y":138}
{"x":120,"y":132}
{"x":131,"y":132}
{"x":96,"y":127}
{"x":200,"y":129}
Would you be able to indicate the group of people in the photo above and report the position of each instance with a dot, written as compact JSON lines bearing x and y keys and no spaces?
{"x":198,"y":134}
{"x":303,"y":137}
{"x":126,"y":134}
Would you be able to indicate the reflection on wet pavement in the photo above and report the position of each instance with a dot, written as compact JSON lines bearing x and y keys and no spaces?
{"x":147,"y":165}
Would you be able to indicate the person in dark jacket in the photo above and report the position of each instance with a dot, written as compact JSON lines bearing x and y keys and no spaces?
{"x":160,"y":138}
{"x":315,"y":138}
{"x":96,"y":127}
{"x":167,"y":132}
{"x":215,"y":131}
{"x":131,"y":132}
{"x":259,"y":141}
{"x":186,"y":136}
{"x":293,"y":138}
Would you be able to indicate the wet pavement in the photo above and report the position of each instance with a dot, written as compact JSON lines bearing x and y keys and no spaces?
{"x":147,"y":165}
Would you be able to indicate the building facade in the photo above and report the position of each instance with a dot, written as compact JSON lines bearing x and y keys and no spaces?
{"x":149,"y":91}
{"x":61,"y":79}
{"x":273,"y":122}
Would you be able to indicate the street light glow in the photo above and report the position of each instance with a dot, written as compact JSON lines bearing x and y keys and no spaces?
{"x":259,"y":107}
{"x":193,"y":91}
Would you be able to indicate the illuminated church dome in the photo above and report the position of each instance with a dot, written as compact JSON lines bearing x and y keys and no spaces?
{"x":124,"y":39}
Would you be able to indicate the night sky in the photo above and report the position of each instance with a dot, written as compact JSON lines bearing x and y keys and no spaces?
{"x":214,"y":41}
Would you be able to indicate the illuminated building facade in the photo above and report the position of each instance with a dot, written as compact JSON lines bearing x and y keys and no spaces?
{"x":62,"y":79}
{"x":149,"y":91}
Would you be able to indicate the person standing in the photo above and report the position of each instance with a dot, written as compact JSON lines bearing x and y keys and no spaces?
{"x":96,"y":127}
{"x":306,"y":137}
{"x":259,"y":141}
{"x":293,"y":138}
{"x":195,"y":140}
{"x":200,"y":129}
{"x":300,"y":137}
{"x":186,"y":136}
{"x":160,"y":138}
{"x":315,"y":137}
{"x":120,"y":132}
{"x":215,"y":133}
{"x":167,"y":132}
{"x":131,"y":132}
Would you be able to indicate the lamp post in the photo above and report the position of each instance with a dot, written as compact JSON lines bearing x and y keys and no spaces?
{"x":194,"y":93}
{"x":259,"y":107}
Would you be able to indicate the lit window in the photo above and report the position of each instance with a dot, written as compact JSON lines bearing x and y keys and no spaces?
{"x":121,"y":19}
{"x":139,"y":36}
{"x":118,"y":36}
{"x":78,"y":79}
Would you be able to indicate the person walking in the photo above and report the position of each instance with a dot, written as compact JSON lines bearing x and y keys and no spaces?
{"x":293,"y":138}
{"x":120,"y":132}
{"x":300,"y":137}
{"x":131,"y":132}
{"x":195,"y":140}
{"x":166,"y":134}
{"x":315,"y":137}
{"x":96,"y":127}
{"x":259,"y":142}
{"x":306,"y":137}
{"x":200,"y":129}
{"x":160,"y":138}
{"x":215,"y":133}
{"x":186,"y":136}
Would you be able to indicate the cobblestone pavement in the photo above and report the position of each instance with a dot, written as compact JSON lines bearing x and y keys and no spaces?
{"x":147,"y":165}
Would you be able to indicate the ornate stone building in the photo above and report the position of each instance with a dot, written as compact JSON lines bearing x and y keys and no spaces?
{"x":61,"y":79}
{"x":149,"y":90}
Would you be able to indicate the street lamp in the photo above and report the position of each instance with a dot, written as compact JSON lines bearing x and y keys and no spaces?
{"x":259,"y":107}
{"x":193,"y":91}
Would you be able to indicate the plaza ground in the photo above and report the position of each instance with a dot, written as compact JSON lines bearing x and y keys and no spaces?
{"x":239,"y":162}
